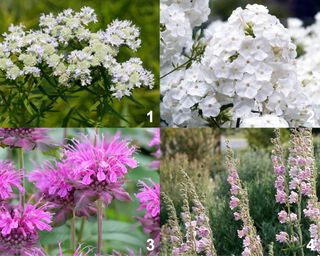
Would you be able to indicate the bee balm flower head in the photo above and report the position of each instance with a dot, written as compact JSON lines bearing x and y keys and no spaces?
{"x":19,"y":229}
{"x":101,"y":168}
{"x":25,"y":138}
{"x":9,"y":178}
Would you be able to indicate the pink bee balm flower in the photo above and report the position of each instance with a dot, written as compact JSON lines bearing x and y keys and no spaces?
{"x":9,"y":178}
{"x":56,"y":186}
{"x":101,"y":168}
{"x":19,"y":229}
{"x":149,"y":197}
{"x":26,"y":138}
{"x":156,"y":142}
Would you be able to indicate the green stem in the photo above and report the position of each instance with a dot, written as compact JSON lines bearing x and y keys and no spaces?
{"x":177,"y":68}
{"x":73,"y":231}
{"x":83,"y":220}
{"x":299,"y":224}
{"x":65,"y":136}
{"x":21,"y":164}
{"x":100,"y":216}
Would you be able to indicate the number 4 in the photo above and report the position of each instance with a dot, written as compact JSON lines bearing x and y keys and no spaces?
{"x":150,"y":246}
{"x":150,"y":115}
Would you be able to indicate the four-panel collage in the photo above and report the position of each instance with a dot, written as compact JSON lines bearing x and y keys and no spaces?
{"x":160,"y":128}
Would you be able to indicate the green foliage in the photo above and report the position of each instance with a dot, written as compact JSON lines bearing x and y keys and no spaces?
{"x":48,"y":106}
{"x":260,"y":138}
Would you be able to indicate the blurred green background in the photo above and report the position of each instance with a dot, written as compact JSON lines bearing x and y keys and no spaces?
{"x":120,"y":228}
{"x":143,"y":13}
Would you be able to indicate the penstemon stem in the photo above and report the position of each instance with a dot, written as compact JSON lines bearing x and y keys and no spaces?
{"x":100,"y":216}
{"x":21,"y":165}
{"x":73,"y":231}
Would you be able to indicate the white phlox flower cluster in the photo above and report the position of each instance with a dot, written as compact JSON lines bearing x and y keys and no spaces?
{"x":248,"y":65}
{"x":308,"y":64}
{"x":66,"y":46}
{"x":177,"y":20}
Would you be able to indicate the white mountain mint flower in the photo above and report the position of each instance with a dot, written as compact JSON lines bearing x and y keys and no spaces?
{"x":248,"y":66}
{"x":68,"y":50}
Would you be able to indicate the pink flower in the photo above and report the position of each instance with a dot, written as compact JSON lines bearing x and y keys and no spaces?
{"x":243,"y":232}
{"x":281,"y":197}
{"x":26,"y":138}
{"x":56,"y":186}
{"x":19,"y":229}
{"x":156,"y":142}
{"x":279,"y":170}
{"x":293,"y":217}
{"x":101,"y":168}
{"x":282,"y":216}
{"x":9,"y":178}
{"x":306,"y":188}
{"x":149,"y":197}
{"x":293,"y":197}
{"x":279,"y":183}
{"x":282,"y":237}
{"x":237,"y":216}
{"x":234,"y":202}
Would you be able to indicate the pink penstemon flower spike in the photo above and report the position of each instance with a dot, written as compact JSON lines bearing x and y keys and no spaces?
{"x":239,"y":203}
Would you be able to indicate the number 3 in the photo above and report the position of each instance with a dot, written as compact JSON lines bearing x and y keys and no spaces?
{"x":150,"y":246}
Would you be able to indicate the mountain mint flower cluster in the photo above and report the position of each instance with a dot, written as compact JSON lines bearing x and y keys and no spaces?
{"x":65,"y":48}
{"x":242,"y":69}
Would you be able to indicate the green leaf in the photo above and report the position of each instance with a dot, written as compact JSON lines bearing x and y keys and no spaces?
{"x":28,"y":107}
{"x":135,"y":101}
{"x":67,"y":117}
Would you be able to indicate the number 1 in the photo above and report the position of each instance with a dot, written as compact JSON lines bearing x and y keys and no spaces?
{"x":150,"y":115}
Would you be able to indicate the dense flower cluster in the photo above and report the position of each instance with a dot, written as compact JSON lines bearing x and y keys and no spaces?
{"x":71,"y":51}
{"x":19,"y":229}
{"x":149,"y":197}
{"x":239,"y":203}
{"x":307,"y":39}
{"x":177,"y":19}
{"x":301,"y":184}
{"x":55,"y":184}
{"x":245,"y":66}
{"x":25,"y":138}
{"x":9,"y":178}
{"x":100,"y":168}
